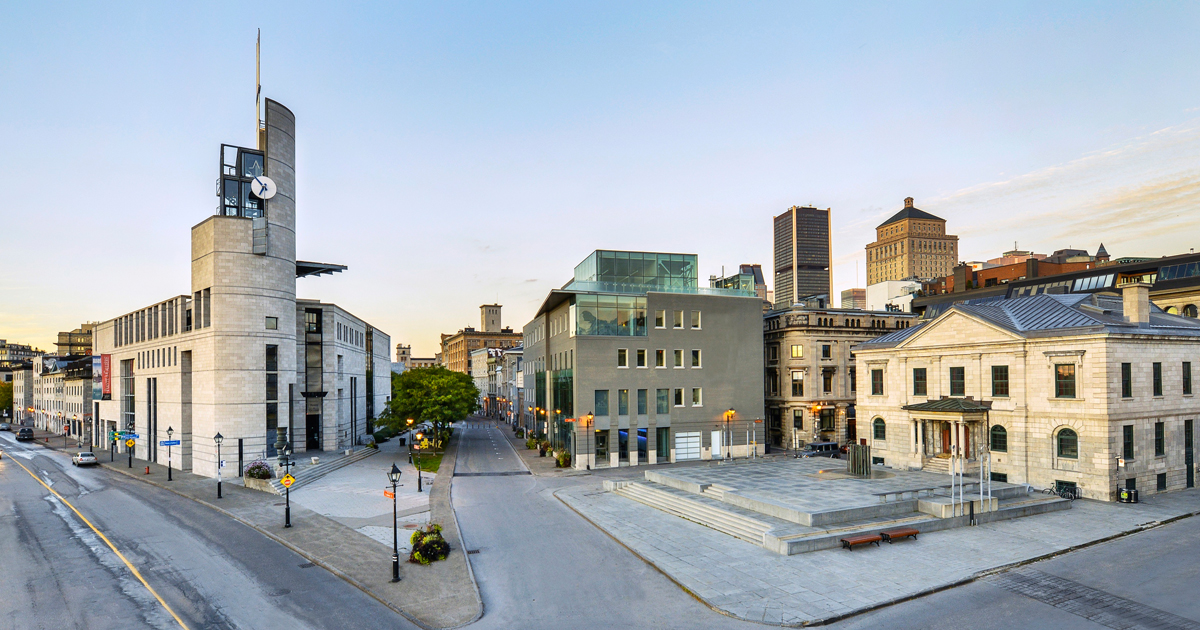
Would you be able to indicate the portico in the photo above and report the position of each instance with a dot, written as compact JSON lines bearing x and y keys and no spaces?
{"x":947,"y":428}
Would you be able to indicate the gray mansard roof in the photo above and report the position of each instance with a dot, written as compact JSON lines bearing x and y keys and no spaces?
{"x":1049,"y":315}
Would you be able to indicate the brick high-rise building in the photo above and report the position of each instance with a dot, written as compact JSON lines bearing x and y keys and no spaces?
{"x":911,"y":244}
{"x":802,"y":259}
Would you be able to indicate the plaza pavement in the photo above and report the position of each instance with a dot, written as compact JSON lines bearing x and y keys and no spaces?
{"x":749,"y":582}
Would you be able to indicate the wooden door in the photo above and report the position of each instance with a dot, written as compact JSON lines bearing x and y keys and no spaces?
{"x":945,"y":438}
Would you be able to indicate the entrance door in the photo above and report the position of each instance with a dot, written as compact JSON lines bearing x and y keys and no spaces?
{"x":687,"y":446}
{"x":945,"y":438}
{"x":312,"y":432}
{"x":1188,"y":456}
{"x":966,"y":444}
{"x":718,"y":440}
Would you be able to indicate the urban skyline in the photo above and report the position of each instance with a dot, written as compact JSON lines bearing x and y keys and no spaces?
{"x":682,"y":122}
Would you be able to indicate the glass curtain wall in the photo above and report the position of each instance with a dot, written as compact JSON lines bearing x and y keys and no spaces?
{"x":610,"y":315}
{"x":646,"y":269}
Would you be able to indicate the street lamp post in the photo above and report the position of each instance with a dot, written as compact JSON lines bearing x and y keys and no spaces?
{"x":218,"y":438}
{"x":287,"y":490}
{"x":410,"y":423}
{"x":728,"y":419}
{"x":417,"y":447}
{"x":169,"y":432}
{"x":394,"y":477}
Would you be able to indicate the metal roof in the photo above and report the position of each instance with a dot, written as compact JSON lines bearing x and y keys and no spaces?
{"x":949,"y":405}
{"x":306,"y":268}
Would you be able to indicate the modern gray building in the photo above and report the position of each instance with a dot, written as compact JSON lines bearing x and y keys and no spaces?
{"x":632,"y":362}
{"x":802,"y":255}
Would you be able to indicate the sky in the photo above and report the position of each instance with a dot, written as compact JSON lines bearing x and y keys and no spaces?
{"x":455,"y":154}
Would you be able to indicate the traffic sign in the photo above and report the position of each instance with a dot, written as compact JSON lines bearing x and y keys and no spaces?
{"x":287,"y":481}
{"x":132,"y":436}
{"x":130,"y":443}
{"x":169,"y":443}
{"x":389,"y":494}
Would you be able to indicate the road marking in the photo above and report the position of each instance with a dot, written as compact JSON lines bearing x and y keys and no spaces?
{"x":108,"y":542}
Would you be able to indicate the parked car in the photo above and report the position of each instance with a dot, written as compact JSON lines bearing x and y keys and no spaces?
{"x":4,"y":426}
{"x":24,"y":434}
{"x":84,"y":458}
{"x":820,"y":449}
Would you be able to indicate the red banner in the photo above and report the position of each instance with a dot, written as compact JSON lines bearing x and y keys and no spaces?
{"x":106,"y":376}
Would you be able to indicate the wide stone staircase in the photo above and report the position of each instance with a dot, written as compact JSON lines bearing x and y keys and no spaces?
{"x":697,"y":511}
{"x":307,"y":474}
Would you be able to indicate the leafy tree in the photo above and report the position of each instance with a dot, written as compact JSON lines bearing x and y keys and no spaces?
{"x":6,"y":396}
{"x":434,"y":395}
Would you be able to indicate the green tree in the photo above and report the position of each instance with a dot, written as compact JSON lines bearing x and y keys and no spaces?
{"x":434,"y":395}
{"x":6,"y":390}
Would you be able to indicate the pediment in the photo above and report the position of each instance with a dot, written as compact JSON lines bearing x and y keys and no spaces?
{"x":956,"y":328}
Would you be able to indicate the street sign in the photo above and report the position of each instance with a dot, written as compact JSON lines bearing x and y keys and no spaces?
{"x":169,"y":443}
{"x":389,"y":494}
{"x":132,"y":436}
{"x":222,"y":463}
{"x":287,"y":481}
{"x":130,"y":443}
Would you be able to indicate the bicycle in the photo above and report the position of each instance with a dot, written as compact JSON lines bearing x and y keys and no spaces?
{"x":1065,"y":493}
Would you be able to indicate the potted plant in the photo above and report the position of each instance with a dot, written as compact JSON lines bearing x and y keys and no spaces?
{"x":428,"y":545}
{"x":257,"y":475}
{"x":543,"y":447}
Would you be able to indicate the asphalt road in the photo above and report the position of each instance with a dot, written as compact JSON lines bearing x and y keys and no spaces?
{"x":210,"y":570}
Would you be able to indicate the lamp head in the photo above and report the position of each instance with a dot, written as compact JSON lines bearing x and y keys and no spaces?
{"x":394,"y":474}
{"x":410,"y":421}
{"x":218,"y":438}
{"x":169,"y":432}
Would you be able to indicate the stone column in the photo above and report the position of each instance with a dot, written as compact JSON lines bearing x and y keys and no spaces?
{"x":651,"y":442}
{"x":614,"y":444}
{"x":915,"y":435}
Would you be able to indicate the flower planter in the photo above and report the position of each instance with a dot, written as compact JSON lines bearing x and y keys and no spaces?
{"x":262,"y":485}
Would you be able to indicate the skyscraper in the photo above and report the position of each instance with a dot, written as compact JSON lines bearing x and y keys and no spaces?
{"x":802,"y":261}
{"x":911,"y":244}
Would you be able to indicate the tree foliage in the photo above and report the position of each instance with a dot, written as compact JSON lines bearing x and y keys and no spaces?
{"x":6,"y":396}
{"x":434,"y":394}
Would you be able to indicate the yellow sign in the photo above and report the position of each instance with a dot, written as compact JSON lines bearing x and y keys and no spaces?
{"x":130,"y":443}
{"x":287,"y":481}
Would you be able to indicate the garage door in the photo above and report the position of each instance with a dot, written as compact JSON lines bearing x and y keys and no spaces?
{"x":687,"y":446}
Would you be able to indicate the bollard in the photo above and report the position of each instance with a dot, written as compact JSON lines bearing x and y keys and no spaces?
{"x":147,"y":470}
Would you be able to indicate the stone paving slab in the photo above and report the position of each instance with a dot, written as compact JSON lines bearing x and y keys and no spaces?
{"x":748,"y":582}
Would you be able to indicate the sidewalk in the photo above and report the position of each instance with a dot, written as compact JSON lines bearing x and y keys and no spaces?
{"x":537,"y":465}
{"x":441,"y":595}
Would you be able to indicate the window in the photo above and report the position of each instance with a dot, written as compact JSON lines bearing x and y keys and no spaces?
{"x":958,"y":381}
{"x":1158,"y":379}
{"x":1187,"y":378}
{"x":641,"y":402}
{"x":797,"y":383}
{"x":879,"y":429}
{"x":696,"y":320}
{"x":772,"y":353}
{"x":601,"y":402}
{"x":660,"y":319}
{"x":1162,"y":482}
{"x":622,"y":402}
{"x":797,"y":352}
{"x":853,"y":379}
{"x":876,"y":382}
{"x":678,"y":316}
{"x":662,"y":401}
{"x":1127,"y":442}
{"x":662,"y":442}
{"x":999,"y":381}
{"x":272,"y":323}
{"x":1126,"y":380}
{"x":999,"y":443}
{"x":660,"y":358}
{"x":999,"y":477}
{"x":1064,"y":380}
{"x":1160,"y":440}
{"x":920,"y":385}
{"x":826,"y":351}
{"x":827,"y":380}
{"x":678,"y":397}
{"x":622,"y":358}
{"x":697,"y":397}
{"x":641,"y":357}
{"x":1068,"y":443}
{"x":797,"y":418}
{"x":695,"y":358}
{"x":679,"y":358}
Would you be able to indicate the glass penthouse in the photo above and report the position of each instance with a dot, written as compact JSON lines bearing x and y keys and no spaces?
{"x":633,"y":362}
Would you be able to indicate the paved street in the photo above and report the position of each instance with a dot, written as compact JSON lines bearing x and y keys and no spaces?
{"x":212,"y":571}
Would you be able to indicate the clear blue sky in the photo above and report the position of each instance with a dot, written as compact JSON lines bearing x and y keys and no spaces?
{"x":454,"y":154}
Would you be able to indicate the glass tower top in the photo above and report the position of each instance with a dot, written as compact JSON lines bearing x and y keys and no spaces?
{"x":647,"y":270}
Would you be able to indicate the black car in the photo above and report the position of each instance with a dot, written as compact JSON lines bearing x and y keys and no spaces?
{"x":820,"y":449}
{"x":24,"y":434}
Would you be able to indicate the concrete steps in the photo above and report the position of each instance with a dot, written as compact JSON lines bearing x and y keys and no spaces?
{"x":724,"y":521}
{"x":313,"y":473}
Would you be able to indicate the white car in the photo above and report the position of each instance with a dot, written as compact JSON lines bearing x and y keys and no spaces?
{"x":84,"y":458}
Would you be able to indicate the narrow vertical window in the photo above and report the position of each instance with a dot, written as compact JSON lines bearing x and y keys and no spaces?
{"x":1158,"y":389}
{"x":1126,"y":380}
{"x":1160,"y":440}
{"x":999,"y":381}
{"x":958,"y":381}
{"x":1127,"y":442}
{"x":920,"y":383}
{"x":1187,"y":378}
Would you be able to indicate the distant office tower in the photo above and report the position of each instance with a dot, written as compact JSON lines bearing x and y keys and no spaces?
{"x":854,"y":298}
{"x":802,"y":261}
{"x":911,"y":244}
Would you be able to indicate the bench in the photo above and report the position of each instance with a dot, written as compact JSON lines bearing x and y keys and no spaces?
{"x":898,"y":533}
{"x":861,"y":539}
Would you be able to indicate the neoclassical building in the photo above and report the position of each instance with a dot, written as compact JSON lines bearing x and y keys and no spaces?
{"x":1087,"y":391}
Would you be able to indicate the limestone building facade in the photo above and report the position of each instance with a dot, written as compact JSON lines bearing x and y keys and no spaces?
{"x":1093,"y":392}
{"x":911,"y":244}
{"x":457,"y":348}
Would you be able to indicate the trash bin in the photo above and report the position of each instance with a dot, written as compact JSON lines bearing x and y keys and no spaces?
{"x":1123,"y":495}
{"x":1133,"y":495}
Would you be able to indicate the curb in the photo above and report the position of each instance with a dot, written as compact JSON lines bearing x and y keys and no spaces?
{"x":897,"y":600}
{"x":458,"y":527}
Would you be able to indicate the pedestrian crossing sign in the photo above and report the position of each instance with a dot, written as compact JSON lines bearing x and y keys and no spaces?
{"x":130,"y":443}
{"x":287,"y":481}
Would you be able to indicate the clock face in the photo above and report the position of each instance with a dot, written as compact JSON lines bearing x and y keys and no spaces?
{"x":262,"y":187}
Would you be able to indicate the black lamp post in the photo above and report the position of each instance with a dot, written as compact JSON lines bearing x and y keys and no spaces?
{"x":218,"y":438}
{"x":169,"y":432}
{"x":410,"y":423}
{"x":287,"y":490}
{"x":417,"y":446}
{"x":394,"y":477}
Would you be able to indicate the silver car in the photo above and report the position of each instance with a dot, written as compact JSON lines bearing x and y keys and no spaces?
{"x":84,"y":458}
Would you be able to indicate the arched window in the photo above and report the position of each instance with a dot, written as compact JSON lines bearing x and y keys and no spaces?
{"x":999,"y":443}
{"x":879,"y":429}
{"x":1068,"y":444}
{"x":1171,"y":310}
{"x":1189,"y":310}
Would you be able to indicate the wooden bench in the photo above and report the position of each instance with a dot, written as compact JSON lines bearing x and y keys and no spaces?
{"x":898,"y":533}
{"x":860,"y":539}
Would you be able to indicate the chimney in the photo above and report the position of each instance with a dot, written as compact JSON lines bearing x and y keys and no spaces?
{"x":908,"y":202}
{"x":1136,"y":298}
